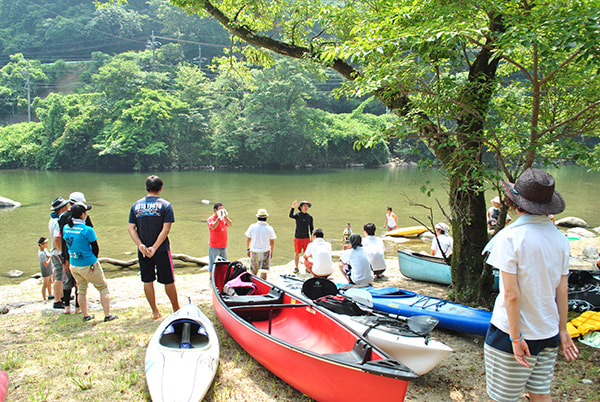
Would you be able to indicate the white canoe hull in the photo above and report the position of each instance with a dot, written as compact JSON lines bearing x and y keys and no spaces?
{"x":416,"y":352}
{"x":176,"y":373}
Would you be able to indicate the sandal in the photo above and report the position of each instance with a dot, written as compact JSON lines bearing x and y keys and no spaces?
{"x":88,"y":318}
{"x":110,"y":318}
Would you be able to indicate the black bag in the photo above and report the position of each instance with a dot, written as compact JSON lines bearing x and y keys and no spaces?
{"x":340,"y":304}
{"x":315,"y":288}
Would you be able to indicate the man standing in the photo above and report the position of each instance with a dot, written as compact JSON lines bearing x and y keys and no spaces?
{"x":391,"y":220}
{"x":150,"y":221}
{"x":304,"y":228}
{"x":260,"y":243}
{"x":217,"y":230}
{"x":59,"y":205}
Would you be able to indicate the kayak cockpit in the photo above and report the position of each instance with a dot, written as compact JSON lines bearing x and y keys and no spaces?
{"x":184,"y":334}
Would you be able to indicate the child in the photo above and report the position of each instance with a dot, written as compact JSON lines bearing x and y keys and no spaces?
{"x":347,"y":232}
{"x":45,"y":268}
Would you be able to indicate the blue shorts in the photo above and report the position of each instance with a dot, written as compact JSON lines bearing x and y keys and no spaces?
{"x":159,"y":265}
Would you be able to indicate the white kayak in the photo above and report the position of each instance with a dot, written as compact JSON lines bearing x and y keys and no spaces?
{"x":182,"y":356}
{"x":392,"y":334}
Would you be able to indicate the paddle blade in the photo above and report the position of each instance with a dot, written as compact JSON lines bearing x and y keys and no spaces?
{"x":360,"y":296}
{"x":421,"y":324}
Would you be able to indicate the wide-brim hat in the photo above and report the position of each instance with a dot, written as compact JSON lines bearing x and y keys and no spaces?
{"x":496,"y":199}
{"x":534,"y":192}
{"x":304,"y":202}
{"x":58,"y":203}
{"x":262,"y":213}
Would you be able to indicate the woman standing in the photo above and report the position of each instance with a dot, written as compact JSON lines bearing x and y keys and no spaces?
{"x":529,"y":320}
{"x":83,"y":257}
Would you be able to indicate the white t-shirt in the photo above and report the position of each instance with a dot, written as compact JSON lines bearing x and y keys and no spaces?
{"x":320,"y":250}
{"x":361,"y":273}
{"x":446,"y":242}
{"x":375,"y":252}
{"x":54,"y":230}
{"x":538,"y":253}
{"x":260,"y":234}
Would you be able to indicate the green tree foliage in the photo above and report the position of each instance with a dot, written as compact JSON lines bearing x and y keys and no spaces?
{"x":13,"y":78}
{"x":135,"y":118}
{"x":446,"y":68}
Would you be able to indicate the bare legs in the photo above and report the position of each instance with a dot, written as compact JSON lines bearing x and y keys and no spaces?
{"x":47,"y":286}
{"x":171,"y":292}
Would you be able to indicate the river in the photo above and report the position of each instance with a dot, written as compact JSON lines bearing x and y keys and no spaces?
{"x":338,"y":196}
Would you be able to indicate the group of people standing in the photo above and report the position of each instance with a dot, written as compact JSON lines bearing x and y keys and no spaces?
{"x":360,"y":263}
{"x":528,"y":324}
{"x":73,"y":257}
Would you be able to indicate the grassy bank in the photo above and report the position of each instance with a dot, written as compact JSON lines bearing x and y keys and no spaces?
{"x":51,"y":356}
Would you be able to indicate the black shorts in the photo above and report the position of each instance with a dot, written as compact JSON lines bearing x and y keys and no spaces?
{"x":159,"y":265}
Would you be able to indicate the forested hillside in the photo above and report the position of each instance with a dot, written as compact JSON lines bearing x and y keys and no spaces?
{"x":146,"y":86}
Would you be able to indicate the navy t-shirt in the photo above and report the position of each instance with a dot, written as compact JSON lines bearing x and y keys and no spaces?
{"x":149,"y":214}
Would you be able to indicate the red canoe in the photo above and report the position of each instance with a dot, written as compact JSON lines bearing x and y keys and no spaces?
{"x":306,"y":347}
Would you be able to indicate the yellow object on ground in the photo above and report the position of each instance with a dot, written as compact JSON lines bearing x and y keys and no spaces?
{"x":586,"y":322}
{"x":407,"y":231}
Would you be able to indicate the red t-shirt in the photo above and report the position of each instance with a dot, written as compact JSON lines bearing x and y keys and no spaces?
{"x":218,"y":236}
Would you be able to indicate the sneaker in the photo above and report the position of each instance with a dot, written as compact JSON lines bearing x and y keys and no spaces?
{"x":110,"y":318}
{"x":59,"y":304}
{"x":88,"y":318}
{"x":296,"y":270}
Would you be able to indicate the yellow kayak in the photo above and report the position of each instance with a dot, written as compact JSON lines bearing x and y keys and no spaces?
{"x":407,"y":231}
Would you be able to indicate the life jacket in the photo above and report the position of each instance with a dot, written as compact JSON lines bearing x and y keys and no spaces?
{"x":586,"y":322}
{"x":238,"y":280}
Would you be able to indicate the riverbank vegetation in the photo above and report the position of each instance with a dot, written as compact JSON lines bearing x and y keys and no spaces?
{"x":473,"y":84}
{"x":517,"y":79}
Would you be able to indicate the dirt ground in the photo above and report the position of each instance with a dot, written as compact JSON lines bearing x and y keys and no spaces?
{"x":459,"y":377}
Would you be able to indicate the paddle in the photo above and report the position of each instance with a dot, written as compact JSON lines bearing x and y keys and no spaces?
{"x":419,"y":324}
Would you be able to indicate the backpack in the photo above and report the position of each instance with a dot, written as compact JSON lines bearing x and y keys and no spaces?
{"x":238,"y":280}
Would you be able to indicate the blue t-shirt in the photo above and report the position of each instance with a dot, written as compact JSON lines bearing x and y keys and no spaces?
{"x":149,"y":214}
{"x":78,"y":239}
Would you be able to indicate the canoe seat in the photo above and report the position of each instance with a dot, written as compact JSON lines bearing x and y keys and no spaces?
{"x":360,"y":354}
{"x":275,"y":296}
{"x":184,"y":334}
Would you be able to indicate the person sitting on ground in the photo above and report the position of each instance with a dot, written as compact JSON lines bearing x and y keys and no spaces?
{"x":83,"y":258}
{"x":442,"y":243}
{"x":260,"y":243}
{"x":354,"y":263}
{"x":45,"y":268}
{"x":375,"y":250}
{"x":321,"y":266}
{"x":494,"y":213}
{"x":346,"y":233}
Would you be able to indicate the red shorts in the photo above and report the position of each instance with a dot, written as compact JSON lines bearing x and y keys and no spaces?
{"x":300,"y":245}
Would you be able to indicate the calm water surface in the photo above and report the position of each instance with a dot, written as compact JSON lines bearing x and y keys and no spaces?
{"x":338,"y":196}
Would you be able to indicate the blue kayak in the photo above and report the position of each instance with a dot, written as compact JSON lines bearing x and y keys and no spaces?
{"x":452,"y":316}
